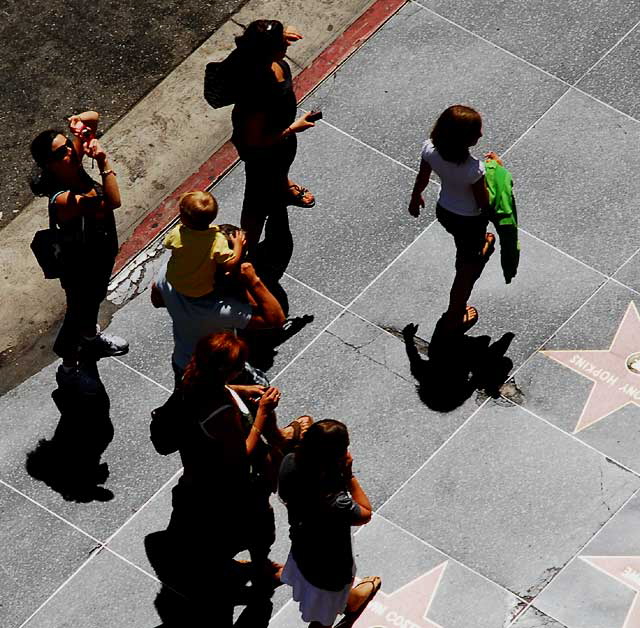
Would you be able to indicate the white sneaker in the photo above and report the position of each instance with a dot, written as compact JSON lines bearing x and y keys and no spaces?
{"x":106,"y":345}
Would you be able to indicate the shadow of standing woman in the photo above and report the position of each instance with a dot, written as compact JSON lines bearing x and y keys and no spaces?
{"x":69,"y":463}
{"x":456,"y":366}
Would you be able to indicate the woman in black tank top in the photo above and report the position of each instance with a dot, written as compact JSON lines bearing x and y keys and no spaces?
{"x":83,"y":210}
{"x":265,"y":128}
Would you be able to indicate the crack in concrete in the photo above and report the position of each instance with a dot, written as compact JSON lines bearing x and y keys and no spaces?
{"x":358,"y":349}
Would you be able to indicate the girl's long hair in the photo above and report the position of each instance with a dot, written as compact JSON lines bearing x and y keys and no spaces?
{"x":320,"y":457}
{"x":457,"y":128}
{"x":42,"y":182}
{"x":215,"y":358}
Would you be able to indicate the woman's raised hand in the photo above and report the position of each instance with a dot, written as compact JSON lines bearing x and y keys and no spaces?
{"x":291,"y":36}
{"x":94,"y":150}
{"x":270,"y":399}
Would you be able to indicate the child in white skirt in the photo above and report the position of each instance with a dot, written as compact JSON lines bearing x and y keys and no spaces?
{"x":324,"y":500}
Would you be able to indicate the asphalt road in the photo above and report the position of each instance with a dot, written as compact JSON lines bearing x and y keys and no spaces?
{"x":63,"y":57}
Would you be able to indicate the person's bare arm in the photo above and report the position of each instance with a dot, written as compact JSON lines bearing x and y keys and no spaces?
{"x":238,"y":240}
{"x":69,"y":205}
{"x":268,"y":312}
{"x":481,"y":194}
{"x":422,"y":180}
{"x":360,"y":497}
{"x":257,"y":137}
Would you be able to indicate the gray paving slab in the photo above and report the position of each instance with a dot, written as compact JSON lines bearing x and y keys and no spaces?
{"x":419,"y":585}
{"x":566,"y":192}
{"x":615,"y":79}
{"x":147,"y":526}
{"x":600,"y":587}
{"x":357,"y":226}
{"x":360,"y":375}
{"x":107,"y":592}
{"x":533,"y":618}
{"x":416,"y":290}
{"x":564,"y":38}
{"x":38,"y":553}
{"x":511,"y":497}
{"x":628,"y":273}
{"x":391,"y":103}
{"x":149,"y":332}
{"x":135,"y":470}
{"x":561,"y":388}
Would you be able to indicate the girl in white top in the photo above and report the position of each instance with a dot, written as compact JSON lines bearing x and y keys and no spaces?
{"x":462,"y":206}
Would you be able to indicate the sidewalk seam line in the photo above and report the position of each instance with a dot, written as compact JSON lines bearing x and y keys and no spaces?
{"x":64,"y":584}
{"x":608,"y":52}
{"x":529,"y":63}
{"x":574,"y":557}
{"x":51,"y":512}
{"x":450,"y":557}
{"x":137,"y":372}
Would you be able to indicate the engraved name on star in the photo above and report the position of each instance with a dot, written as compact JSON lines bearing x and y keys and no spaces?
{"x":407,"y":606}
{"x":615,"y":372}
{"x":624,"y":569}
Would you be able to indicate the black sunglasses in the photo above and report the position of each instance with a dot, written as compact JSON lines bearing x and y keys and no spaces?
{"x":60,"y":152}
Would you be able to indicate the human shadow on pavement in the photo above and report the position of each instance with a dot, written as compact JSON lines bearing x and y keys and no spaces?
{"x":69,"y":462}
{"x":199,"y":587}
{"x":264,"y":343}
{"x":456,"y":366}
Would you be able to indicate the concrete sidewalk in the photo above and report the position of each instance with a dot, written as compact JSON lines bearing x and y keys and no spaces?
{"x":514,"y":510}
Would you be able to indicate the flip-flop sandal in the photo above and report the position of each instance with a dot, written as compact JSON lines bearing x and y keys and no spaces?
{"x":299,"y":426}
{"x":489,"y":247}
{"x":350,"y":617}
{"x":297,"y":197}
{"x":470,"y":319}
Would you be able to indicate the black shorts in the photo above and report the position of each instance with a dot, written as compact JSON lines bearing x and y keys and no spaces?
{"x":468,"y":233}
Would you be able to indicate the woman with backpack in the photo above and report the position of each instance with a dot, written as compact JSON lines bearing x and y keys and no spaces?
{"x":463,"y":204}
{"x":83,"y":211}
{"x":265,"y":129}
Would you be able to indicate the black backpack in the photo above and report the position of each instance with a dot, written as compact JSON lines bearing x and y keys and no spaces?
{"x":221,"y":81}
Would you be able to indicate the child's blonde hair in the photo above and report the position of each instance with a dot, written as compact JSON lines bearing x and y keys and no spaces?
{"x":198,"y":208}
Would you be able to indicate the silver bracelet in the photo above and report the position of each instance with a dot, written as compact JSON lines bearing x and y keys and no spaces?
{"x":104,"y":173}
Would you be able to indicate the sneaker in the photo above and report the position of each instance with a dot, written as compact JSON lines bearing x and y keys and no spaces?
{"x":106,"y":345}
{"x":76,"y":379}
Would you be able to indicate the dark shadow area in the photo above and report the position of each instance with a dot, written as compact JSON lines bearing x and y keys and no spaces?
{"x":263,"y":343}
{"x":69,"y":463}
{"x":456,"y":365}
{"x":202,"y":586}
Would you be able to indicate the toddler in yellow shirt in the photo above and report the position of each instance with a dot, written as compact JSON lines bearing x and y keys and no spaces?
{"x":198,"y":248}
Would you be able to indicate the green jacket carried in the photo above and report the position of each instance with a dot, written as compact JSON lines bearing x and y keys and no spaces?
{"x":504,"y":216}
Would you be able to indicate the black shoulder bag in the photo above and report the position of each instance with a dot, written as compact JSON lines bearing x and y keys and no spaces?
{"x":47,"y":247}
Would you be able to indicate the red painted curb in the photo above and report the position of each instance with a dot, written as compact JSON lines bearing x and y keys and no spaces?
{"x":225,"y":157}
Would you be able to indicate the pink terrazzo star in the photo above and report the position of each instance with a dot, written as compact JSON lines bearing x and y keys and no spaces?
{"x":625,"y":569}
{"x":615,"y":372}
{"x":407,"y":606}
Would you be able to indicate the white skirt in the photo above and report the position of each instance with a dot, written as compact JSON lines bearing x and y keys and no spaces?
{"x":315,"y":604}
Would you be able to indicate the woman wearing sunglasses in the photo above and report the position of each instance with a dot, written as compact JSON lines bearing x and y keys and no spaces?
{"x":83,"y":209}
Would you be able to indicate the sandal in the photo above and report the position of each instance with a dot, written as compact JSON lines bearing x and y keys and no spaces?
{"x":298,"y":427}
{"x":297,"y":196}
{"x":350,"y":617}
{"x":489,"y":246}
{"x":469,"y":319}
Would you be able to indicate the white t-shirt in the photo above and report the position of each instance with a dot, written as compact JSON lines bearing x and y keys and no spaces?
{"x":456,"y":180}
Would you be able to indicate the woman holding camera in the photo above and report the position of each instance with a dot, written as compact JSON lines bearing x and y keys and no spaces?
{"x":265,"y":128}
{"x":83,"y":210}
{"x":324,"y":500}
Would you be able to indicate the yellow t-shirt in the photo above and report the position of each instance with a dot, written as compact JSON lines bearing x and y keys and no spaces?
{"x":195,"y":255}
